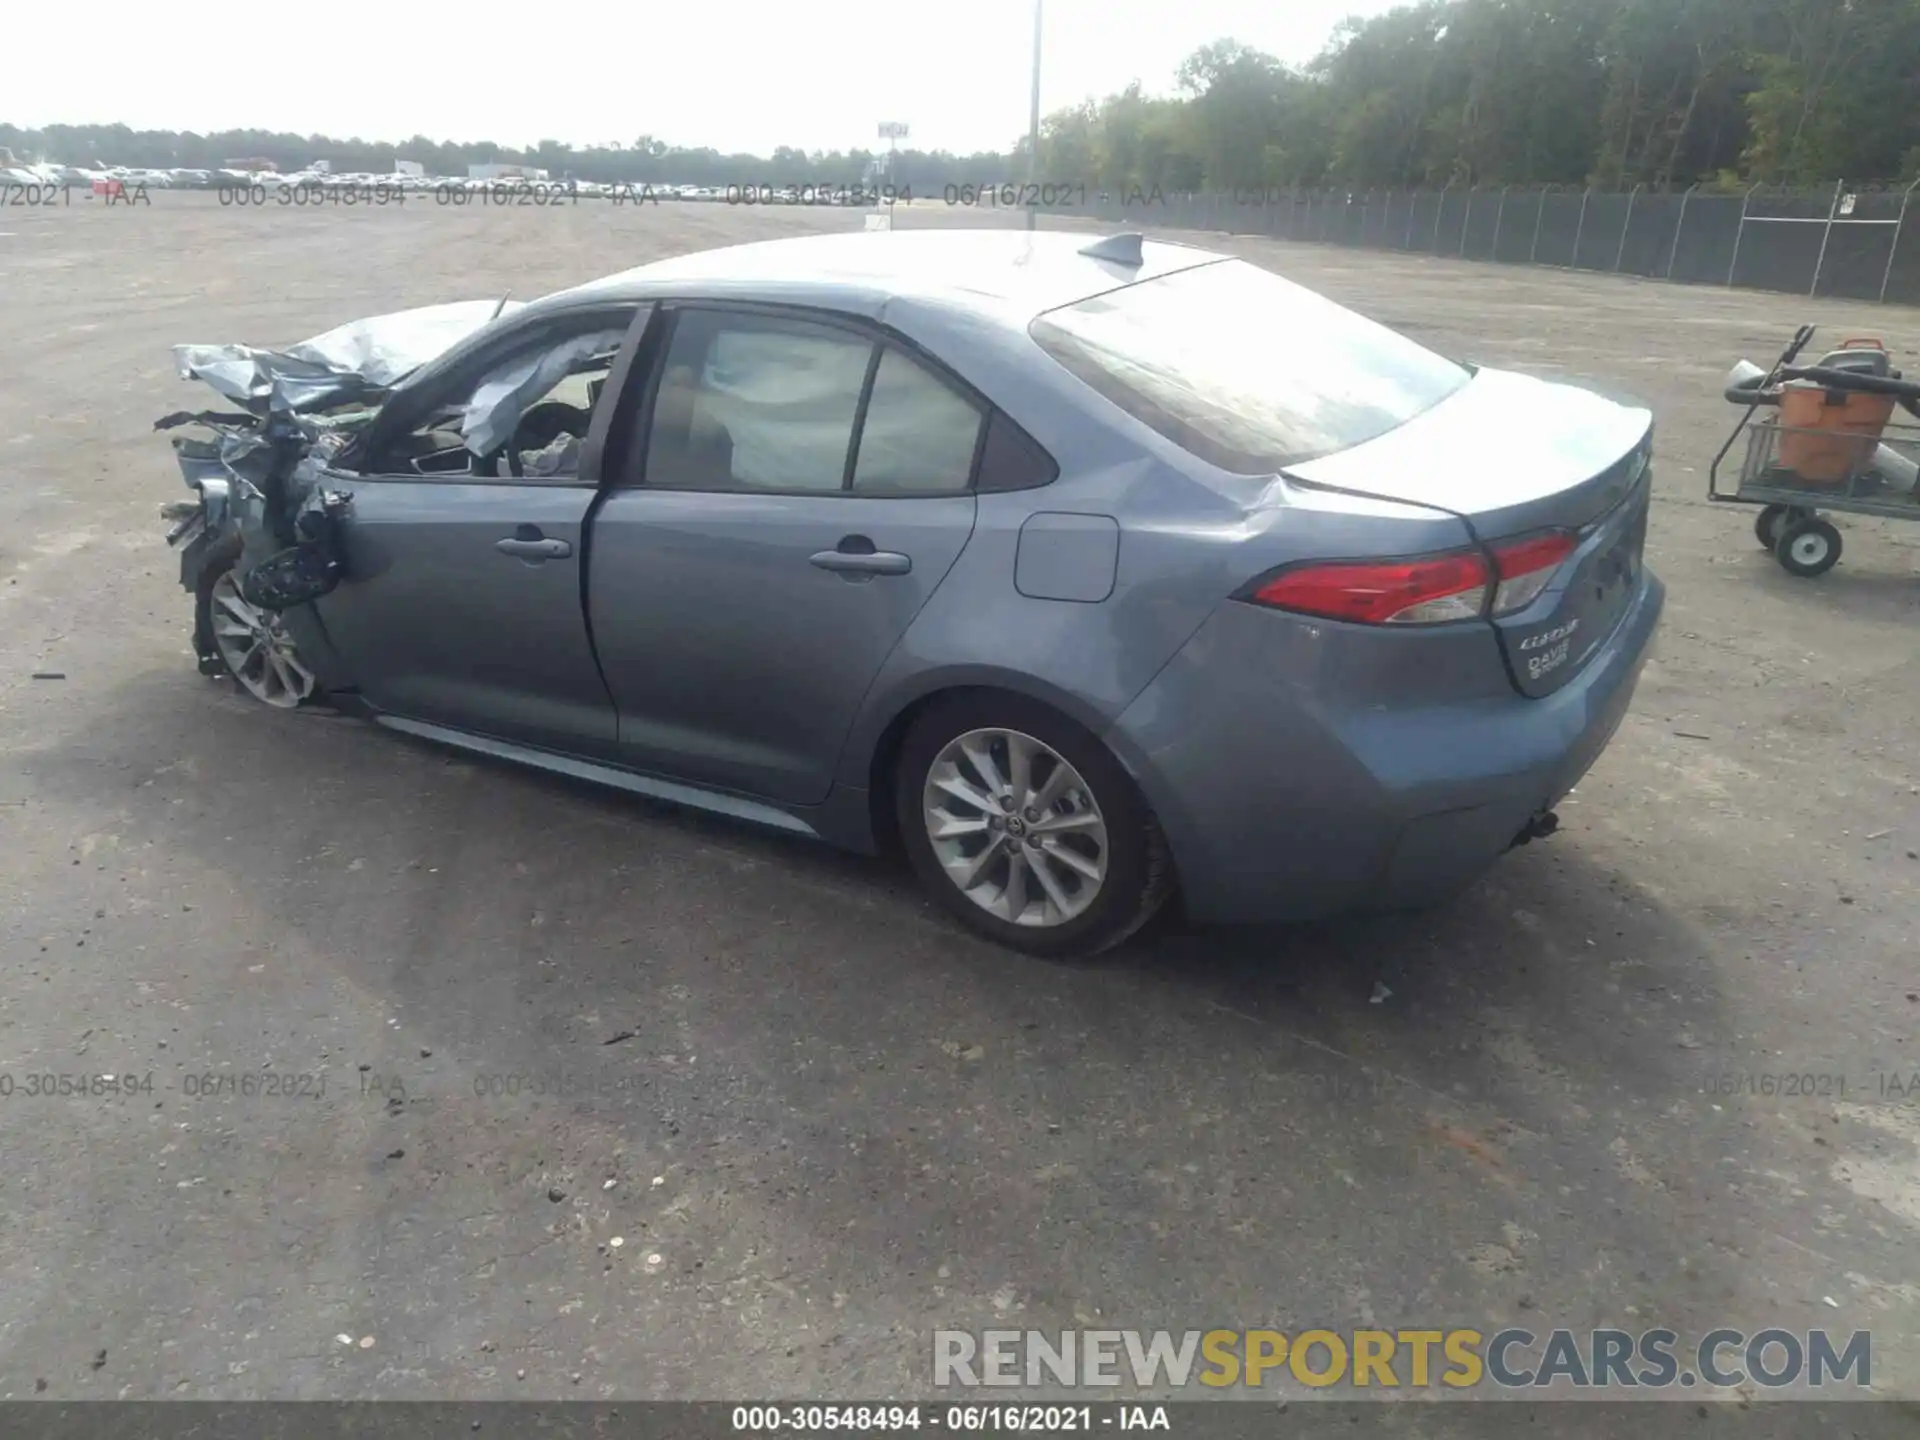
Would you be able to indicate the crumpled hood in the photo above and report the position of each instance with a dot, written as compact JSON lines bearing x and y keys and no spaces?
{"x":352,"y":360}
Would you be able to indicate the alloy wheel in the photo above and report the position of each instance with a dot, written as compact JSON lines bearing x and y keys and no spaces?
{"x":256,"y":648}
{"x":1015,"y":827}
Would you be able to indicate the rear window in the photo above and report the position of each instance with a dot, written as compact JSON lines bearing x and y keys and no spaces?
{"x":1245,"y":370}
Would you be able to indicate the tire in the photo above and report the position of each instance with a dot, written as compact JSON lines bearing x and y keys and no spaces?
{"x":1099,"y":816}
{"x":1767,"y":525}
{"x":1773,"y":520}
{"x":219,"y":559}
{"x":286,"y":684}
{"x":1808,"y":548}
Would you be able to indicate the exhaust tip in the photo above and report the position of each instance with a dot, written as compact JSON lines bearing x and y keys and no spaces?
{"x":1538,"y":828}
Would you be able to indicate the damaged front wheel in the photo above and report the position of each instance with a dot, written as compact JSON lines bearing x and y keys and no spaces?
{"x":254,"y":646}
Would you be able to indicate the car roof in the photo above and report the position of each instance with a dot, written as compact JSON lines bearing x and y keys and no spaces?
{"x":1016,"y":274}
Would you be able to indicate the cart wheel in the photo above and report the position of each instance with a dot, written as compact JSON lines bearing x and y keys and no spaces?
{"x":1808,"y":547}
{"x":1770,"y":522}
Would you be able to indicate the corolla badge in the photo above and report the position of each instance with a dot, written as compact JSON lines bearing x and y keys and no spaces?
{"x":1562,"y":632}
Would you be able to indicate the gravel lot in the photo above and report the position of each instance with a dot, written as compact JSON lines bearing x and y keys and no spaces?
{"x":835,"y":1123}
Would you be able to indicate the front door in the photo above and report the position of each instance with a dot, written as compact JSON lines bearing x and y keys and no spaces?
{"x":800,"y":493}
{"x":463,"y":608}
{"x":463,"y":603}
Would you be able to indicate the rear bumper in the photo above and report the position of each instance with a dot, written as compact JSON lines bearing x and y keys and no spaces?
{"x":1289,"y":794}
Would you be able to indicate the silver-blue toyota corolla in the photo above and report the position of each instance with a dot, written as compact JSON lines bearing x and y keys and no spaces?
{"x":1087,"y":573}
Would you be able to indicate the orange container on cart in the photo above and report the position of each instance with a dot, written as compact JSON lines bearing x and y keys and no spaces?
{"x":1827,"y":436}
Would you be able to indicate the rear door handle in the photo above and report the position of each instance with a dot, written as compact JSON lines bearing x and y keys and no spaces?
{"x":863,"y":561}
{"x":526,"y":549}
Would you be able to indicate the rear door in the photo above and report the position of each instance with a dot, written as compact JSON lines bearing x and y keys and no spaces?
{"x":796,"y":490}
{"x":463,"y":604}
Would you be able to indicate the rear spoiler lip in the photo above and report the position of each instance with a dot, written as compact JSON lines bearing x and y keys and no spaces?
{"x":1570,"y":437}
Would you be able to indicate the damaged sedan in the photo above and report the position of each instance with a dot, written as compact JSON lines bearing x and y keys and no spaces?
{"x":1087,"y":575}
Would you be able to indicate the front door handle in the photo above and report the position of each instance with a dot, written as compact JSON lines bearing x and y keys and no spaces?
{"x":856,"y":558}
{"x":526,"y":548}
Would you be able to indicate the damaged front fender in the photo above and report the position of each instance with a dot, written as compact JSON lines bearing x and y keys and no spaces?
{"x":244,"y":474}
{"x":309,"y":568}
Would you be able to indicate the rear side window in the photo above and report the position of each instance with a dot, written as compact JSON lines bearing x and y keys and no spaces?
{"x":919,"y":435}
{"x":1010,"y":459}
{"x":1247,"y":371}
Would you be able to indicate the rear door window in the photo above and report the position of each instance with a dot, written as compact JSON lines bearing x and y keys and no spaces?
{"x":756,"y":402}
{"x":919,"y":435}
{"x":1245,"y":370}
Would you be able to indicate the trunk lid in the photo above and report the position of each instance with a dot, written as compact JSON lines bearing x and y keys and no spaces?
{"x":1513,"y":456}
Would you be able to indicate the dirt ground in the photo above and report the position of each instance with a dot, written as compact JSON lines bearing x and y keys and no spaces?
{"x":836,"y":1123}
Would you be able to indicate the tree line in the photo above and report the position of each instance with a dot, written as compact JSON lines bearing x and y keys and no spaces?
{"x":1467,"y":92}
{"x":1613,"y":93}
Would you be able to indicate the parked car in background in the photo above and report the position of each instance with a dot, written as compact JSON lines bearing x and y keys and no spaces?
{"x":1084,"y":573}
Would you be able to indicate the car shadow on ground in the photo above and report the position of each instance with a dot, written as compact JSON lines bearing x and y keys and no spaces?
{"x":1502,"y":1058}
{"x":1551,"y":941}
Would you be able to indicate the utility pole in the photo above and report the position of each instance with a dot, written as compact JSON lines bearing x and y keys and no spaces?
{"x":893,"y":132}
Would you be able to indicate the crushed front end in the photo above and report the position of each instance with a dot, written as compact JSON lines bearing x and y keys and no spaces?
{"x":259,"y":509}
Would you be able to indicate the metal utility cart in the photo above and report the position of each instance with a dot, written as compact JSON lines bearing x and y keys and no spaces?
{"x":1821,"y":437}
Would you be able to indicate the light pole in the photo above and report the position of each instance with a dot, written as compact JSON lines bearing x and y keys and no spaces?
{"x":1033,"y":128}
{"x":893,"y":132}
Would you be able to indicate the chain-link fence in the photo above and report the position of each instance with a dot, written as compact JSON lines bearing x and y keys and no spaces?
{"x":1858,"y":243}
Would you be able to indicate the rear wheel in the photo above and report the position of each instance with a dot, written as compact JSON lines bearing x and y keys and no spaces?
{"x":1808,"y":548}
{"x":1027,"y":829}
{"x":253,"y":644}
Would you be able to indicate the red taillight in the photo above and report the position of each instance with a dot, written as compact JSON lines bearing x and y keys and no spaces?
{"x":1525,"y":567}
{"x":1428,"y":591}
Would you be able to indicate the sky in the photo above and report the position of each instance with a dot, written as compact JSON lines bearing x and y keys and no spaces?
{"x":738,"y":77}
